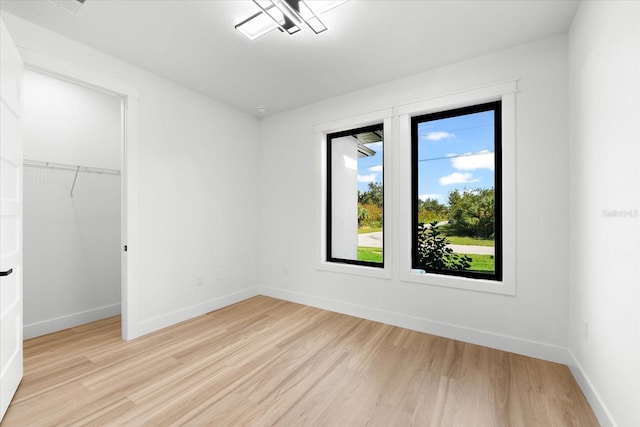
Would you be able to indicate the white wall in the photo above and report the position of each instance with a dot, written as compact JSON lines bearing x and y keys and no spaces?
{"x":605,"y":178}
{"x":71,"y":244}
{"x":200,"y":192}
{"x":68,"y":123}
{"x":344,"y":198}
{"x":535,"y":320}
{"x":197,"y":173}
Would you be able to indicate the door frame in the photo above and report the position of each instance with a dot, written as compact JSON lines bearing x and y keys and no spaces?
{"x":129,"y":166}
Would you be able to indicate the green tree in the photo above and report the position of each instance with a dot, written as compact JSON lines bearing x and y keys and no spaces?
{"x":432,"y":205}
{"x":472,"y":213}
{"x":369,"y":215}
{"x":431,"y":210}
{"x":434,"y":252}
{"x":373,"y":196}
{"x":363,"y":215}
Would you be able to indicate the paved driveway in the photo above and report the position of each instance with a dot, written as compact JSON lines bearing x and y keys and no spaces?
{"x":371,"y":240}
{"x":374,"y":240}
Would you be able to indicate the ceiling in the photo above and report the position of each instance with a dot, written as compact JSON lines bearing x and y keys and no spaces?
{"x":369,"y":42}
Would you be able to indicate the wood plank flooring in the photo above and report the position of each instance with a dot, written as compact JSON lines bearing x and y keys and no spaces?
{"x":266,"y":362}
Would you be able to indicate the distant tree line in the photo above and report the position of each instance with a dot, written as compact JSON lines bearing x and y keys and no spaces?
{"x":469,"y":212}
{"x":370,"y":204}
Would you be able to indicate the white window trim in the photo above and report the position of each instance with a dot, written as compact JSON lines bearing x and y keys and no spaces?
{"x":397,"y":197}
{"x":321,"y":131}
{"x":504,"y":91}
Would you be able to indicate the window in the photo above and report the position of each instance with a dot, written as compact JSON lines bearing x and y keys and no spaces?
{"x":355,"y":196}
{"x":457,"y":192}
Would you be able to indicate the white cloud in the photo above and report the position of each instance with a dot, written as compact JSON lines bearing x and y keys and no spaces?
{"x":367,"y":178}
{"x":376,"y":168}
{"x":472,"y":161}
{"x":457,"y":178}
{"x":424,"y":197}
{"x":451,"y":155}
{"x":437,"y":136}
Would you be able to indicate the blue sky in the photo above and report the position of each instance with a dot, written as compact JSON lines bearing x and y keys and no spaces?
{"x":453,"y":153}
{"x":370,"y":168}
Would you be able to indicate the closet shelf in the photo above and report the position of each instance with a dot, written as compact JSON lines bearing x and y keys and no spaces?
{"x":76,"y":168}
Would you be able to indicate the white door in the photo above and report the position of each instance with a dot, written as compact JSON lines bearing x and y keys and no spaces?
{"x":10,"y":220}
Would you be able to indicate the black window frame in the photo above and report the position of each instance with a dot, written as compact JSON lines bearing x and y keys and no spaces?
{"x":496,"y":107}
{"x":330,"y":137}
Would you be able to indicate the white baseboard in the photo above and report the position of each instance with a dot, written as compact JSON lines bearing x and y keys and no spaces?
{"x":599,"y":408}
{"x":470,"y":335}
{"x":69,"y":321}
{"x":474,"y":336}
{"x":156,"y":323}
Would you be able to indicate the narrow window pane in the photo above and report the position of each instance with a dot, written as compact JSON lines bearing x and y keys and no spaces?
{"x":355,"y":199}
{"x":456,"y":185}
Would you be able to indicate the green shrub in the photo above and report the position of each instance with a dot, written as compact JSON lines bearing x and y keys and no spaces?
{"x":372,"y":217}
{"x":363,"y":215}
{"x":434,"y":253}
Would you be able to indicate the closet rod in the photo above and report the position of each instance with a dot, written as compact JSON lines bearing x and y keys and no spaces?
{"x":76,"y":168}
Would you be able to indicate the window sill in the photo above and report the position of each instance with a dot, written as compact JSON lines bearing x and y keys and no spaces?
{"x":506,"y":92}
{"x":504,"y":287}
{"x":357,"y":270}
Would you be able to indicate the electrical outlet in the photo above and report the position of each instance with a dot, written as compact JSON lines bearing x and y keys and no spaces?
{"x":200,"y":281}
{"x":585,"y":329}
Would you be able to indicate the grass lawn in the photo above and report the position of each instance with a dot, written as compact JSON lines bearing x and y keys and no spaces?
{"x":478,"y":262}
{"x":366,"y":229}
{"x":482,"y":262}
{"x":369,"y":254}
{"x":463,"y":240}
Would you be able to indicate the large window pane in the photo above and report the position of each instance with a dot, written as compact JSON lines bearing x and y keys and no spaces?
{"x":355,"y":196}
{"x":457,"y":192}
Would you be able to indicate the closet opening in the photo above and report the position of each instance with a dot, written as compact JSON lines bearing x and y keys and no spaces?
{"x":73,"y":147}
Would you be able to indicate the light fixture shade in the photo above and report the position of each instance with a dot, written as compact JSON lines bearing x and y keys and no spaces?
{"x":256,"y":26}
{"x":281,"y":13}
{"x":287,"y":16}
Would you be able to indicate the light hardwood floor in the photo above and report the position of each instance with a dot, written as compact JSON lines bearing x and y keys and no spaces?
{"x":269,"y":362}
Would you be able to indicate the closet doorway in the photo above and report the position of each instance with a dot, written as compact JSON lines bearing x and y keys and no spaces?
{"x":72,"y":138}
{"x":128,"y":142}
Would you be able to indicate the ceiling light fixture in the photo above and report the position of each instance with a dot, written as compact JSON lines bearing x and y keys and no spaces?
{"x":287,"y":16}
